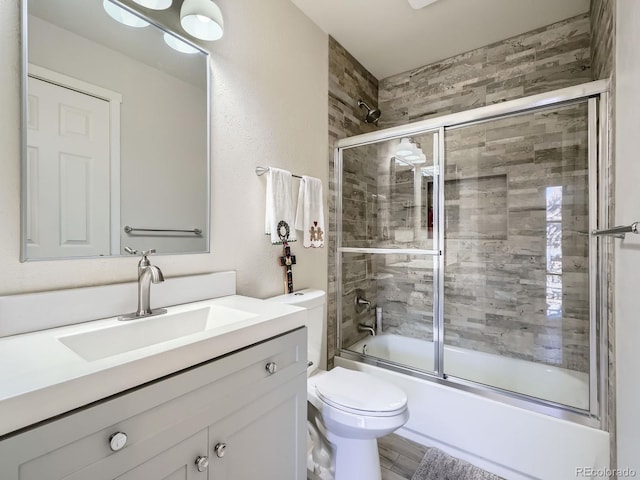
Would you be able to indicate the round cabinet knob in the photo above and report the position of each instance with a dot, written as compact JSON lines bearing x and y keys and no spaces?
{"x":271,"y":367}
{"x":117,"y":441}
{"x":220,"y":449}
{"x":202,"y":463}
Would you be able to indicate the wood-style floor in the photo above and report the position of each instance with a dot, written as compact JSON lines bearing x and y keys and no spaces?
{"x":399,"y":457}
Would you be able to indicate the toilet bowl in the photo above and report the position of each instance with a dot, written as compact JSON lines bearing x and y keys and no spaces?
{"x":356,"y":409}
{"x":350,"y":409}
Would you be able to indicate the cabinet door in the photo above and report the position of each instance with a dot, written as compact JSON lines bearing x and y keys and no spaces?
{"x":176,"y":463}
{"x":265,"y":440}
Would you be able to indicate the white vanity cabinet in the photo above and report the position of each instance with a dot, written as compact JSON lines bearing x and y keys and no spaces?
{"x":241,"y":416}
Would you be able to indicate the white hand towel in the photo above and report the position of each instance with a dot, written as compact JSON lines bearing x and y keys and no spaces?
{"x":279,"y":203}
{"x":310,"y":213}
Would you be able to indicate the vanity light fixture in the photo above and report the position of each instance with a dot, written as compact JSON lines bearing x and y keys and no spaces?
{"x":202,"y":19}
{"x":123,"y":16}
{"x":155,"y":4}
{"x":179,"y":45}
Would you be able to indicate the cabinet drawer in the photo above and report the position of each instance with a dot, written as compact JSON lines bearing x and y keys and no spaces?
{"x":153,"y":417}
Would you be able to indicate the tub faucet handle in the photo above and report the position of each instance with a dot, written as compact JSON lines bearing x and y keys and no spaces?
{"x":361,"y":303}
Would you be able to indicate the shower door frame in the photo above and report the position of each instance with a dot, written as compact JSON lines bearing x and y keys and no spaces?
{"x":595,"y":95}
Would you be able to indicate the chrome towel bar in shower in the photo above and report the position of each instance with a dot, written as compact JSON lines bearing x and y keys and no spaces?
{"x":619,"y":232}
{"x":128,"y":229}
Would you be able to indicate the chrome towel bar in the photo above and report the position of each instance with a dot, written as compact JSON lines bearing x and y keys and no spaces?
{"x":262,"y":170}
{"x":128,"y":229}
{"x":619,"y":232}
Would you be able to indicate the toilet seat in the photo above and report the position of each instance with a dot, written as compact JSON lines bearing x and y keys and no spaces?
{"x":360,"y":394}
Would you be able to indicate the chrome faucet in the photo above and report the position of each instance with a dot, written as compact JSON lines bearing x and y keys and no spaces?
{"x":363,"y":327}
{"x":147,"y":274}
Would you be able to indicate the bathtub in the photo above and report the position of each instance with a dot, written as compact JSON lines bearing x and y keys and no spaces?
{"x":513,"y":442}
{"x":556,"y":384}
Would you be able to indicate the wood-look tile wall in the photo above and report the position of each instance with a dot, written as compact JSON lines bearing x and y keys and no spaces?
{"x":602,"y":35}
{"x":349,"y":81}
{"x":545,"y":59}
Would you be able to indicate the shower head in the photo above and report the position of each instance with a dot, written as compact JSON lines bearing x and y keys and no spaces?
{"x":372,"y":114}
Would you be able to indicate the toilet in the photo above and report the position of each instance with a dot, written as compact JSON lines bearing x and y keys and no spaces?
{"x":349,"y":410}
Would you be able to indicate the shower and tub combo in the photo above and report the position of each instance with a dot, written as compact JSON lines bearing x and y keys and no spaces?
{"x":471,"y":234}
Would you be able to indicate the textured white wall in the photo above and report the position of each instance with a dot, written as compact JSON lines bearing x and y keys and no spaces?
{"x":269,"y":107}
{"x":627,"y":254}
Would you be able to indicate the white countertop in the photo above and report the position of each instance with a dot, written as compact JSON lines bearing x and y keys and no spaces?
{"x":40,"y":377}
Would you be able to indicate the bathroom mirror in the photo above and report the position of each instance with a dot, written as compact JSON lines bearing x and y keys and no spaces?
{"x":115,"y":133}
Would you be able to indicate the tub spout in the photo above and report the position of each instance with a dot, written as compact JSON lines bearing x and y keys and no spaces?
{"x":363,"y":327}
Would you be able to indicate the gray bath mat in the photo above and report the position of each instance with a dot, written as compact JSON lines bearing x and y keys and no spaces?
{"x":437,"y":465}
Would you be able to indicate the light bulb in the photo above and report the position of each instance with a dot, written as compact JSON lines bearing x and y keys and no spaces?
{"x":123,"y":16}
{"x":155,"y":4}
{"x":179,"y":45}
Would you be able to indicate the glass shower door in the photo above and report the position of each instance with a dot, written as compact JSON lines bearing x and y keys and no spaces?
{"x":387,"y":243}
{"x":516,"y":281}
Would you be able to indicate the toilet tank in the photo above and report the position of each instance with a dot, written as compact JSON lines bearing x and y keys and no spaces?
{"x":314,"y":301}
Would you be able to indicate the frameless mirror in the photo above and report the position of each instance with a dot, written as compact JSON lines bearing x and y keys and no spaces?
{"x":115,"y":132}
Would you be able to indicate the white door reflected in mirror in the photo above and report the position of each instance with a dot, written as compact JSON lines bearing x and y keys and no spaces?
{"x":68,"y":138}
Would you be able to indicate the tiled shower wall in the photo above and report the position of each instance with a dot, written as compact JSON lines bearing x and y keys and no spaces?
{"x":545,"y":59}
{"x":349,"y":81}
{"x":602,"y":37}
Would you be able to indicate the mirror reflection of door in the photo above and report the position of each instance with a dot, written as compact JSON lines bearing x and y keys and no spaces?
{"x":68,"y":172}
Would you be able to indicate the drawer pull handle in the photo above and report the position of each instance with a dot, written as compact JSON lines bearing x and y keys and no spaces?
{"x":220,"y":449}
{"x":117,"y":441}
{"x":202,"y":463}
{"x":271,"y":367}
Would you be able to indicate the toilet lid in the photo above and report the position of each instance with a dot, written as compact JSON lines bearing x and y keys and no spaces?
{"x":350,"y":390}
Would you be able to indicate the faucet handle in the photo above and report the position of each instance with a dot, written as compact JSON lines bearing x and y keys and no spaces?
{"x":144,"y":253}
{"x":144,"y":261}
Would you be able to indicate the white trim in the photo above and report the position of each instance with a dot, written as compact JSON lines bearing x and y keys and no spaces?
{"x":115,"y":100}
{"x":73,"y":83}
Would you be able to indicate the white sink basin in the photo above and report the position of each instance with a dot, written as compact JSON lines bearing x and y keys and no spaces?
{"x":132,"y":335}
